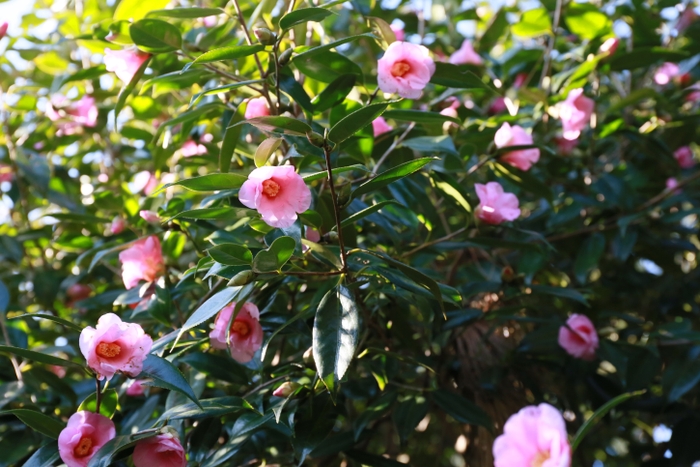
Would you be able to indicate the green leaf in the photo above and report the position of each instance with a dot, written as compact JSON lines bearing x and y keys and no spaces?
{"x":105,"y":456}
{"x":374,"y":411}
{"x":599,"y":414}
{"x":155,"y":36}
{"x":338,"y":170}
{"x":231,"y":255}
{"x":526,"y":181}
{"x":126,"y":91}
{"x":571,"y":294}
{"x":231,"y":137}
{"x":38,"y":421}
{"x":211,"y":182}
{"x":355,"y":122}
{"x":496,"y":28}
{"x":420,"y":116}
{"x":37,"y":356}
{"x":166,"y":375}
{"x":211,"y":307}
{"x":190,"y":115}
{"x":371,"y":460}
{"x":327,"y":66}
{"x":108,"y":403}
{"x":186,"y":12}
{"x":533,"y":23}
{"x":276,"y":256}
{"x":222,"y":89}
{"x":45,"y":456}
{"x":408,"y":414}
{"x":334,"y":93}
{"x":366,"y":212}
{"x":215,"y":407}
{"x":53,"y":318}
{"x":5,"y":298}
{"x":302,"y":16}
{"x":329,"y":46}
{"x":587,"y":21}
{"x":461,"y":409}
{"x":588,"y":256}
{"x":335,"y":335}
{"x":229,"y":53}
{"x":220,"y":213}
{"x":381,"y":27}
{"x":265,"y":150}
{"x":429,"y":144}
{"x":285,"y":125}
{"x":136,"y":9}
{"x":459,"y":77}
{"x":217,"y":366}
{"x":391,"y":175}
{"x":643,"y":56}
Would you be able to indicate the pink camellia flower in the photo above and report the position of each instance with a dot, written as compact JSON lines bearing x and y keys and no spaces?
{"x":516,"y":136}
{"x":286,"y":389}
{"x":693,"y":96}
{"x":684,"y":157}
{"x":84,"y":435}
{"x":135,"y":388}
{"x":672,"y":183}
{"x":519,"y":80}
{"x":312,"y":234}
{"x":665,"y":73}
{"x":144,"y":181}
{"x":497,"y":106}
{"x":6,"y":174}
{"x":534,"y":437}
{"x":575,"y":113}
{"x":245,"y":332}
{"x":450,"y":112}
{"x":278,"y":193}
{"x":398,"y":32}
{"x":118,"y":225}
{"x":210,"y":21}
{"x":150,"y":217}
{"x":161,"y":450}
{"x":565,"y":146}
{"x":405,"y":69}
{"x":466,"y":55}
{"x":72,"y":115}
{"x":84,"y":112}
{"x":380,"y":126}
{"x":114,"y":345}
{"x":58,"y":370}
{"x":686,"y":18}
{"x":495,"y":206}
{"x":142,"y":261}
{"x":610,"y":46}
{"x":124,"y":63}
{"x":192,"y":148}
{"x":257,"y":107}
{"x":3,"y":29}
{"x":579,"y":337}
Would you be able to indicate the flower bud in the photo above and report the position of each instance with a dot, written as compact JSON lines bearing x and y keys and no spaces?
{"x":3,"y":29}
{"x":309,"y":358}
{"x":285,"y":56}
{"x":265,"y":36}
{"x":332,"y":236}
{"x":242,"y":278}
{"x":286,"y":389}
{"x":315,"y":139}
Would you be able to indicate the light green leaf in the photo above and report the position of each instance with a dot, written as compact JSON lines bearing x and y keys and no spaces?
{"x":303,"y":15}
{"x":391,"y":175}
{"x":109,"y":403}
{"x":136,"y":9}
{"x":211,"y":182}
{"x":276,"y":256}
{"x":355,"y":122}
{"x":533,"y":23}
{"x":155,"y":36}
{"x":265,"y":150}
{"x":186,"y":12}
{"x":286,"y":125}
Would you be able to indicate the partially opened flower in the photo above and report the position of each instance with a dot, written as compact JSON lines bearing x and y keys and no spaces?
{"x":124,"y":63}
{"x":115,"y":346}
{"x":579,"y":337}
{"x":466,"y":55}
{"x":565,"y":146}
{"x":575,"y":113}
{"x":159,"y":451}
{"x":610,"y":45}
{"x":405,"y":69}
{"x":117,"y":226}
{"x":257,"y":107}
{"x":84,"y":435}
{"x":496,"y":206}
{"x":380,"y":126}
{"x":665,"y":73}
{"x":245,"y":332}
{"x":278,"y":193}
{"x":684,"y":157}
{"x":534,"y":437}
{"x":142,"y":261}
{"x":150,"y":216}
{"x":516,"y":136}
{"x":3,"y":29}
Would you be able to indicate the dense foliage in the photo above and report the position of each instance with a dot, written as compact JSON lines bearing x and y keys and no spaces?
{"x":291,"y":266}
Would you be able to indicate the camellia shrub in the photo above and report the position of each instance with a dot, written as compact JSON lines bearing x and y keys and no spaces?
{"x":360,"y":233}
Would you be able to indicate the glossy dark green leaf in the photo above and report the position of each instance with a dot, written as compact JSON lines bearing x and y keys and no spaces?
{"x":495,"y":29}
{"x":210,"y":307}
{"x":334,"y":93}
{"x":37,"y":356}
{"x":285,"y":125}
{"x":461,"y":409}
{"x":276,"y":256}
{"x":45,"y":456}
{"x":391,"y":175}
{"x":155,"y":36}
{"x":366,"y":212}
{"x":166,"y":375}
{"x":105,"y":456}
{"x":231,"y":255}
{"x":221,"y":213}
{"x":211,"y":182}
{"x":588,"y":256}
{"x":371,"y":460}
{"x":326,"y":66}
{"x":303,"y":15}
{"x":408,"y":414}
{"x":53,"y":318}
{"x":571,"y":294}
{"x":355,"y":122}
{"x":38,"y":421}
{"x":215,"y":407}
{"x":373,"y":412}
{"x":419,"y":116}
{"x":458,"y":76}
{"x":642,"y":56}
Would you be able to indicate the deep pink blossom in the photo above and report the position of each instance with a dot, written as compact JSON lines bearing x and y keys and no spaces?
{"x":6,"y":173}
{"x":142,"y":261}
{"x":575,"y":113}
{"x":257,"y":107}
{"x":162,"y":450}
{"x":497,"y":106}
{"x":114,"y":345}
{"x":118,"y":225}
{"x":496,"y":206}
{"x":534,"y":437}
{"x":516,"y":136}
{"x":150,"y":217}
{"x":84,"y":435}
{"x":665,"y":73}
{"x":286,"y":389}
{"x":380,"y":126}
{"x":466,"y":55}
{"x":405,"y":69}
{"x":610,"y":46}
{"x":278,"y":193}
{"x":245,"y":332}
{"x":684,"y":157}
{"x":519,"y":80}
{"x":3,"y":29}
{"x":72,"y":115}
{"x":124,"y":63}
{"x":579,"y":337}
{"x":312,"y":234}
{"x":135,"y":388}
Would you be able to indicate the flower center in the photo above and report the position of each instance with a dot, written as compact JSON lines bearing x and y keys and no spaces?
{"x":539,"y":459}
{"x":83,"y":447}
{"x":270,"y":188}
{"x":399,"y":69}
{"x":108,"y":350}
{"x":241,"y":328}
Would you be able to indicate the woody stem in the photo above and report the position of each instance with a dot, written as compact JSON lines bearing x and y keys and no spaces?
{"x":336,"y":208}
{"x":98,"y":395}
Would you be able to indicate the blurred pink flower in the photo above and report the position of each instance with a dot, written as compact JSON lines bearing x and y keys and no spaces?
{"x":72,"y":115}
{"x":686,"y":18}
{"x":519,"y":80}
{"x":496,"y":206}
{"x":610,"y":46}
{"x":450,"y":112}
{"x":534,"y":437}
{"x":665,"y":73}
{"x":405,"y":69}
{"x":516,"y":136}
{"x":142,"y":261}
{"x":380,"y":126}
{"x":3,"y":29}
{"x":135,"y":388}
{"x":245,"y":333}
{"x":144,"y":181}
{"x":192,"y":148}
{"x":114,"y":345}
{"x":579,"y":337}
{"x":6,"y":174}
{"x":672,"y":183}
{"x":565,"y":146}
{"x":150,"y":217}
{"x":497,"y":106}
{"x":210,"y":21}
{"x":575,"y":113}
{"x":58,"y":370}
{"x":159,"y":451}
{"x":398,"y":32}
{"x":693,"y":96}
{"x":85,"y":433}
{"x":684,"y":157}
{"x":118,"y":225}
{"x":257,"y":107}
{"x":278,"y":193}
{"x":312,"y":234}
{"x":466,"y":55}
{"x":78,"y":292}
{"x":124,"y":63}
{"x":84,"y":112}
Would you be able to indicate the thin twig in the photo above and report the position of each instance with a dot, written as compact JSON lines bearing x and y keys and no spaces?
{"x":336,"y":208}
{"x":550,"y":47}
{"x":396,"y":142}
{"x":435,"y":242}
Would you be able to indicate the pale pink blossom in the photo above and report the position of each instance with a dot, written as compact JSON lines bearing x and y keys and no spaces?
{"x":575,"y":113}
{"x":398,"y":32}
{"x":672,"y":183}
{"x":58,"y":370}
{"x":192,"y":148}
{"x":210,"y":21}
{"x":496,"y":206}
{"x":466,"y":55}
{"x":162,"y":450}
{"x":84,"y":435}
{"x":312,"y":234}
{"x":534,"y":437}
{"x":257,"y":107}
{"x":84,"y":112}
{"x":142,"y":261}
{"x":450,"y":112}
{"x":124,"y":63}
{"x":565,"y":146}
{"x":3,"y":29}
{"x":245,"y":332}
{"x":136,"y":388}
{"x":516,"y":136}
{"x":610,"y":46}
{"x":684,"y":157}
{"x":665,"y":73}
{"x":380,"y":126}
{"x":72,"y":115}
{"x":405,"y":69}
{"x":118,"y":225}
{"x":519,"y":80}
{"x":579,"y":337}
{"x":115,"y":346}
{"x":278,"y":193}
{"x":150,"y":217}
